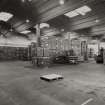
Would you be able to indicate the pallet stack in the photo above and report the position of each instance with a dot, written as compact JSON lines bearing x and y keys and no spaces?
{"x":13,"y":53}
{"x":42,"y":57}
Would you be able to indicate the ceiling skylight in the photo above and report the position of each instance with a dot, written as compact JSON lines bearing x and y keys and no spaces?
{"x":83,"y":10}
{"x":79,"y":11}
{"x":72,"y":14}
{"x":25,"y":32}
{"x":4,"y":16}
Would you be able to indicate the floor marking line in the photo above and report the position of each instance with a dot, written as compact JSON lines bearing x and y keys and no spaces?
{"x":86,"y":102}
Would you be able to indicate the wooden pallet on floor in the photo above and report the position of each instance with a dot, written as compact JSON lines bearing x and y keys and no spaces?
{"x":51,"y":77}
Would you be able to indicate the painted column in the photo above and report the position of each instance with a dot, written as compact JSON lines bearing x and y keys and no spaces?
{"x":38,"y":35}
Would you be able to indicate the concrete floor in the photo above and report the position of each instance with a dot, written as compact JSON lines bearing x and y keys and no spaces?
{"x":20,"y":84}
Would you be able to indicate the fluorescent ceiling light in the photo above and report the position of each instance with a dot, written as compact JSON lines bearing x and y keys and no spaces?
{"x":42,"y":25}
{"x":4,"y":16}
{"x":72,"y":14}
{"x":83,"y":10}
{"x":25,"y":32}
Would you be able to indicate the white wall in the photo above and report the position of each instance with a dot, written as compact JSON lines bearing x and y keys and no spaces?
{"x":14,"y":41}
{"x":94,"y":47}
{"x":102,"y":44}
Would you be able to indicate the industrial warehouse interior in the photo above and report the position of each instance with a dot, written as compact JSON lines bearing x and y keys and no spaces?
{"x":52,"y":52}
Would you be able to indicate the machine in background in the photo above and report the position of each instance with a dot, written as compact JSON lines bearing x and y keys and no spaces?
{"x":99,"y":57}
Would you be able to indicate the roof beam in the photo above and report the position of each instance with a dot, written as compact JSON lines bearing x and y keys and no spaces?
{"x":61,"y":9}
